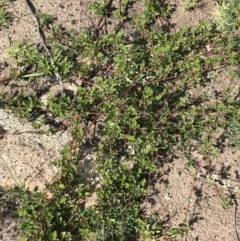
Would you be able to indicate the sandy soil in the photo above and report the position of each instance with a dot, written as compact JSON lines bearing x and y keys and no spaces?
{"x":25,"y":158}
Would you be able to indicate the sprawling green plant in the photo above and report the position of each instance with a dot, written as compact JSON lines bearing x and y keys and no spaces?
{"x":145,"y":92}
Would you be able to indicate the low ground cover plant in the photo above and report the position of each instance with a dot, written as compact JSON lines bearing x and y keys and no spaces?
{"x":146,"y":94}
{"x":4,"y":16}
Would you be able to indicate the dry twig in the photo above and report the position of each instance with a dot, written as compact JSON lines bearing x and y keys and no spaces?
{"x":42,"y":42}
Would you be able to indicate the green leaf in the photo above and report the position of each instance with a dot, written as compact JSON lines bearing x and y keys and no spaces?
{"x":22,"y":239}
{"x":34,"y":75}
{"x":61,"y":186}
{"x":54,"y":235}
{"x":22,"y":212}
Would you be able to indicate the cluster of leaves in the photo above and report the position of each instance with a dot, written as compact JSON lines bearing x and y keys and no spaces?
{"x":22,"y":104}
{"x":227,"y":15}
{"x":146,"y":91}
{"x":190,"y":4}
{"x":5,"y":18}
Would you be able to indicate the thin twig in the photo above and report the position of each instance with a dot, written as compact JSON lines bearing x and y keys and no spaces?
{"x":5,"y":79}
{"x":107,"y":6}
{"x":58,"y":77}
{"x":193,"y":186}
{"x":235,"y":216}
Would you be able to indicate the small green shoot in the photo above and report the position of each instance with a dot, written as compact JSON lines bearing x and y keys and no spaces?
{"x":227,"y":202}
{"x":176,"y":232}
{"x":189,"y":5}
{"x":4,"y":18}
{"x":44,"y":19}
